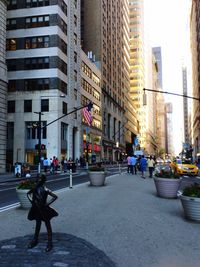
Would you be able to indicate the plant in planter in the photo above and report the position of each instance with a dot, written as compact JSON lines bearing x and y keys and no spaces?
{"x":97,"y":175}
{"x":190,"y":199}
{"x":22,"y":189}
{"x":166,"y":181}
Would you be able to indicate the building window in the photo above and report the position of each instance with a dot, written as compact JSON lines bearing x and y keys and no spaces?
{"x":75,"y":57}
{"x":11,"y":44}
{"x":44,"y":105}
{"x":11,"y":24}
{"x":11,"y":85}
{"x":39,"y":21}
{"x":64,"y":7}
{"x":62,"y":86}
{"x":64,"y":134}
{"x":11,"y":106}
{"x":63,"y":26}
{"x":36,"y":84}
{"x":75,"y":21}
{"x":12,"y":4}
{"x":32,"y":130}
{"x":63,"y":67}
{"x":37,"y":63}
{"x":75,"y":39}
{"x":37,"y":42}
{"x":63,"y":47}
{"x":64,"y":107}
{"x":27,"y":105}
{"x":36,"y":3}
{"x":11,"y":64}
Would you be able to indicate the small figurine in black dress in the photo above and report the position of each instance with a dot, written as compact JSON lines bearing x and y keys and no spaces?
{"x":41,"y":211}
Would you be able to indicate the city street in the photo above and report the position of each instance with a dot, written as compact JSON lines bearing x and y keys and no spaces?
{"x":55,"y":182}
{"x":124,"y":219}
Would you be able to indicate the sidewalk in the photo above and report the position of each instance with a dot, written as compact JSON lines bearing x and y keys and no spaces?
{"x":122,"y":224}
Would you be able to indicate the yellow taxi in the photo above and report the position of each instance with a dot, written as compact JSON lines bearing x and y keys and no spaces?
{"x":184,"y":167}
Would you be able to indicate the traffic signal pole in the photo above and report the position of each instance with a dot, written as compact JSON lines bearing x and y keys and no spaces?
{"x":39,"y":128}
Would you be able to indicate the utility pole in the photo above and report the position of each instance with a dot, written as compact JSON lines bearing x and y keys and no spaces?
{"x":39,"y":127}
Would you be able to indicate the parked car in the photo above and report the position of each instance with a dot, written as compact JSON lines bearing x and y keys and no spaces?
{"x":184,"y":167}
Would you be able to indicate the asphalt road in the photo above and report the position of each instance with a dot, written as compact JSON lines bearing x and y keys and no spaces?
{"x":54,"y":182}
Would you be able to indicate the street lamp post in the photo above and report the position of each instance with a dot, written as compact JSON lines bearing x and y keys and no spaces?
{"x":39,"y":127}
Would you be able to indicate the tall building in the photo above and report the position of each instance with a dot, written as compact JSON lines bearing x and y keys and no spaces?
{"x":137,"y":64}
{"x":91,"y":91}
{"x":195,"y":51}
{"x":158,"y":56}
{"x":160,"y":107}
{"x":169,"y":129}
{"x":104,"y":32}
{"x":3,"y":86}
{"x":185,"y":106}
{"x":43,"y":57}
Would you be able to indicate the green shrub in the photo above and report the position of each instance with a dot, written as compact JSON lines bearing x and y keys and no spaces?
{"x":192,"y":190}
{"x":166,"y":172}
{"x":26,"y":184}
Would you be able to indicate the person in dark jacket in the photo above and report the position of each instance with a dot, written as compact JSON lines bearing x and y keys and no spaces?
{"x":41,"y":211}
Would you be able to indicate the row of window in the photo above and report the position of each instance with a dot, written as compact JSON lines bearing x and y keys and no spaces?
{"x":37,"y":85}
{"x":90,"y":89}
{"x":44,"y":106}
{"x":37,"y":42}
{"x":36,"y":63}
{"x":14,"y":4}
{"x":90,"y":73}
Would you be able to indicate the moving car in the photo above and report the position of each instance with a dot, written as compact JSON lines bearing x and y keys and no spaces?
{"x":184,"y":167}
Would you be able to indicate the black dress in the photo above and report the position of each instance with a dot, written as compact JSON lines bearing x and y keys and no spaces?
{"x":40,"y":210}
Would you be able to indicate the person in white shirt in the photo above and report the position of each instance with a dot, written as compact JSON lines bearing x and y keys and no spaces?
{"x":151,"y":164}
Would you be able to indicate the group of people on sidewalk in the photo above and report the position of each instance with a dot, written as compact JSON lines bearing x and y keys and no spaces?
{"x":140,"y":164}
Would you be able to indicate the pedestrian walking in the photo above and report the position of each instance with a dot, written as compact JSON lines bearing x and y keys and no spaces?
{"x":41,"y":211}
{"x":45,"y":164}
{"x":133,"y":164}
{"x":143,"y":166}
{"x":151,"y":164}
{"x":128,"y":164}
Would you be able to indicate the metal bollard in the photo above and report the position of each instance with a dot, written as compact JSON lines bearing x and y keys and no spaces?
{"x":70,"y":179}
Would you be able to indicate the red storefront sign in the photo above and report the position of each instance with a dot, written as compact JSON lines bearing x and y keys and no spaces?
{"x":96,"y":148}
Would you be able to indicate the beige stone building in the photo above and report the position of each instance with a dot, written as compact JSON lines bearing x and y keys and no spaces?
{"x":105,"y":26}
{"x":195,"y":50}
{"x":91,"y":91}
{"x":137,"y":64}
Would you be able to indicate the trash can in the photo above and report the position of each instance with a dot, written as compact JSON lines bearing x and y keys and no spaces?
{"x":73,"y":167}
{"x":18,"y":169}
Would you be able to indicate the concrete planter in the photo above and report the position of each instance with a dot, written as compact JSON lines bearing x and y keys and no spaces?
{"x":167,"y":188}
{"x":191,"y":207}
{"x":97,"y":178}
{"x":23,"y":199}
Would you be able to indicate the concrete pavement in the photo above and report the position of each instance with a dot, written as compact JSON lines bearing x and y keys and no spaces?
{"x":123,"y":223}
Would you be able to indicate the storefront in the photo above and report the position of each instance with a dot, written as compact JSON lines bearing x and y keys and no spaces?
{"x":91,"y":147}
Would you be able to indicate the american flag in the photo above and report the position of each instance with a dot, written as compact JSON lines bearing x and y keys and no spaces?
{"x":87,"y":115}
